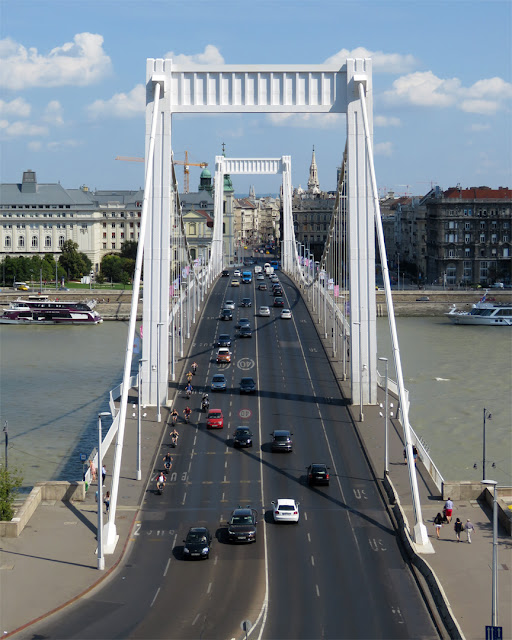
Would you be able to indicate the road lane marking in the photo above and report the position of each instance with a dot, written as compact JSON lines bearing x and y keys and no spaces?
{"x":195,"y":619}
{"x":184,"y":498}
{"x":167,"y":565}
{"x":313,"y":560}
{"x":209,"y":588}
{"x":309,"y":538}
{"x":317,"y":591}
{"x":156,"y":595}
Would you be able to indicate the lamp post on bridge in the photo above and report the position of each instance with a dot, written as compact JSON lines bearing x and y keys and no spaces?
{"x":494,"y":592}
{"x":386,"y":469}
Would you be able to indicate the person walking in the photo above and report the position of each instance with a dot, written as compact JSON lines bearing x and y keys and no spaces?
{"x":103,"y":474}
{"x":438,"y":523}
{"x":107,"y":501}
{"x":458,"y":527}
{"x":470,"y":528}
{"x":448,"y":510}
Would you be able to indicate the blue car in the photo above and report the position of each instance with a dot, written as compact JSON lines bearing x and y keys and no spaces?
{"x":218,"y":382}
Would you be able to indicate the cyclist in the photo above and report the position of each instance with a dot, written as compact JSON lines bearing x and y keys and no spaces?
{"x":186,"y":412}
{"x":160,"y":481}
{"x":188,"y":390}
{"x":189,"y":377}
{"x":174,"y":416}
{"x":167,"y":459}
{"x":174,"y":437}
{"x":194,"y":367}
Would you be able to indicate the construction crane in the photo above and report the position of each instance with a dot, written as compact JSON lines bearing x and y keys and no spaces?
{"x":186,"y":171}
{"x":185,"y":164}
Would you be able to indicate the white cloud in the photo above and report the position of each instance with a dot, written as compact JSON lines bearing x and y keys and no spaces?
{"x":79,"y":63}
{"x":480,"y":127}
{"x":121,"y":105}
{"x":63,"y":144}
{"x":386,"y":121}
{"x":423,"y":88}
{"x":383,"y":149}
{"x":53,"y":113}
{"x":210,"y":55}
{"x":23,"y":129}
{"x":17,"y":107}
{"x":35,"y":145}
{"x":306,"y":120}
{"x":381,"y":62}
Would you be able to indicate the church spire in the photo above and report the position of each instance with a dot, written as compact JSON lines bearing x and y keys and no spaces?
{"x":313,"y":184}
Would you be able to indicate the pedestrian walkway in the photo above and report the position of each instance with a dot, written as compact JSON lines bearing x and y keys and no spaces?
{"x":53,"y":561}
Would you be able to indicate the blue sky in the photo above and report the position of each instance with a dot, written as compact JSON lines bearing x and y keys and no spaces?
{"x":72,"y":74}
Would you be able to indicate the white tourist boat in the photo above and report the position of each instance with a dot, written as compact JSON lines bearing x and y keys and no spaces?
{"x":484,"y":312}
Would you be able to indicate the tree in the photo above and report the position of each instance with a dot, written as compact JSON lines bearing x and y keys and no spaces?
{"x":129,"y":249}
{"x":74,"y":262}
{"x":10,"y":482}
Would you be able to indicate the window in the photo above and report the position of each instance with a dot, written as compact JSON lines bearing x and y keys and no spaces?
{"x":505,"y":238}
{"x":61,"y":241}
{"x":494,"y":252}
{"x":494,"y":238}
{"x":48,"y":242}
{"x":34,"y":242}
{"x":467,"y":226}
{"x":505,"y":252}
{"x":7,"y":241}
{"x":21,"y":241}
{"x":113,"y":224}
{"x":104,"y":245}
{"x":451,"y":253}
{"x":113,"y":245}
{"x":482,"y":225}
{"x":113,"y":235}
{"x":192,"y":229}
{"x":467,"y":238}
{"x":104,"y":235}
{"x":467,"y":253}
{"x":122,"y":235}
{"x":482,"y":237}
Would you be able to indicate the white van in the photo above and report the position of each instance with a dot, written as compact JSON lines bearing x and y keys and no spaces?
{"x":258,"y":269}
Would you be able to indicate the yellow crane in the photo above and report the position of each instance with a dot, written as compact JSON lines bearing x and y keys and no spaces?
{"x":186,"y":164}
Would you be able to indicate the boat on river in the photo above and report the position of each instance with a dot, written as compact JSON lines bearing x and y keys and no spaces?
{"x":45,"y":311}
{"x":485,"y":311}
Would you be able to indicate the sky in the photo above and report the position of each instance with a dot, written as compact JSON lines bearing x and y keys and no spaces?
{"x":72,"y":97}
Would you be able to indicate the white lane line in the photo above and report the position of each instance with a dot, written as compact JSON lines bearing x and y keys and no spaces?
{"x":156,"y":595}
{"x":309,"y":538}
{"x":313,"y":560}
{"x":195,"y":440}
{"x":305,"y":516}
{"x":209,"y":588}
{"x":167,"y":567}
{"x":317,"y":591}
{"x":195,"y":619}
{"x":184,"y":498}
{"x":225,"y":464}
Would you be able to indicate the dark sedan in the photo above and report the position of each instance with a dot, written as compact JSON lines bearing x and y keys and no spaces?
{"x":242,"y":525}
{"x":226,"y":314}
{"x":246,"y":302}
{"x":245,"y":332}
{"x":278,"y":302}
{"x":242,"y":437}
{"x":247,"y":385}
{"x":224,"y":340}
{"x":197,"y":543}
{"x":318,"y":473}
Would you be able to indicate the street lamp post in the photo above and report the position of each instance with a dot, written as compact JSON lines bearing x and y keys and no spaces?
{"x":139,"y":425}
{"x":488,"y":416}
{"x":386,"y":469}
{"x":494,"y":595}
{"x":6,"y":432}
{"x":101,"y":557}
{"x":159,"y":413}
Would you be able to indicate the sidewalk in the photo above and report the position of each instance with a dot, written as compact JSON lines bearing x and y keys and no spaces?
{"x":56,"y":549}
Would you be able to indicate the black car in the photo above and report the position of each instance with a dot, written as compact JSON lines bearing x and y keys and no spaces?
{"x":245,"y":332}
{"x":278,"y":302}
{"x":246,"y":302}
{"x":282,"y":440}
{"x":318,"y":473}
{"x":243,"y":322}
{"x":242,"y":525}
{"x":225,"y":273}
{"x":197,"y":543}
{"x":277,"y":291}
{"x":242,"y":437}
{"x":224,"y":340}
{"x":226,"y":314}
{"x":247,"y":385}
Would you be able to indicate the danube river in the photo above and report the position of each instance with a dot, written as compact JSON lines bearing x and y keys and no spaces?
{"x":55,"y":380}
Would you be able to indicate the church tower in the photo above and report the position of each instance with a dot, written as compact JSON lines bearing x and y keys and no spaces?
{"x":313,"y":184}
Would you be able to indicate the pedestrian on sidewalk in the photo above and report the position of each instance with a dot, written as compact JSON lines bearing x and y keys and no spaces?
{"x":103,"y":474}
{"x":93,"y":471}
{"x":438,"y":523}
{"x":107,"y":501}
{"x":415,"y":453}
{"x":448,"y":510}
{"x":458,"y":527}
{"x":470,"y":528}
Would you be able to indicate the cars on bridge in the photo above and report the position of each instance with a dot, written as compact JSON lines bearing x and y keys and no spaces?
{"x":282,"y":440}
{"x":285,"y":510}
{"x":242,"y":525}
{"x":226,"y":314}
{"x":286,"y":314}
{"x":278,"y":302}
{"x":246,"y":302}
{"x":235,"y":283}
{"x":197,"y":544}
{"x":245,"y":331}
{"x":247,"y":385}
{"x":223,"y":355}
{"x":318,"y":473}
{"x":224,"y":340}
{"x":242,"y":437}
{"x":218,"y":382}
{"x":215,"y":419}
{"x":264,"y":311}
{"x":229,"y":304}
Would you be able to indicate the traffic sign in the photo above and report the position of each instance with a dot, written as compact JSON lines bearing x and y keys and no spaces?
{"x":245,"y":414}
{"x":245,"y":364}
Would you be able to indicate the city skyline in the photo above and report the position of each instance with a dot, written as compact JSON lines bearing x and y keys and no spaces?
{"x":73,"y":97}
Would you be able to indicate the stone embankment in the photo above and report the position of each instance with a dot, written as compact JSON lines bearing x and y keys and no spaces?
{"x":115,"y":305}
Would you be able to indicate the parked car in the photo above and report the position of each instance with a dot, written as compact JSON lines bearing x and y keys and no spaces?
{"x":223,"y":355}
{"x":285,"y":510}
{"x":218,"y":382}
{"x":197,"y":543}
{"x":242,"y":525}
{"x":282,"y":440}
{"x":242,"y":437}
{"x":318,"y":473}
{"x":247,"y":385}
{"x":215,"y":419}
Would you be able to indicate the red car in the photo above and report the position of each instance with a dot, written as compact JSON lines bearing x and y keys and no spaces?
{"x":215,"y":419}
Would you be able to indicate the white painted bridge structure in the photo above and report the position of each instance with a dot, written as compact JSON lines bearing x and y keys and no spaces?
{"x":341,"y":288}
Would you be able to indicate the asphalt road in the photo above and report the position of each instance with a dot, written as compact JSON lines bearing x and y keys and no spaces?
{"x":338,"y":573}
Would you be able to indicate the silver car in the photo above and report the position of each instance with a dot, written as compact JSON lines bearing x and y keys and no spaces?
{"x":264,"y":311}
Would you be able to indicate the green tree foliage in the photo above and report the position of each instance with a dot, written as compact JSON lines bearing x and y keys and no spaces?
{"x":129,"y":250}
{"x":117,"y":268}
{"x":10,"y":483}
{"x":75,"y":263}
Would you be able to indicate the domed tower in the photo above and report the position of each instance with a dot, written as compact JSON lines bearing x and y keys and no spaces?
{"x":205,"y":181}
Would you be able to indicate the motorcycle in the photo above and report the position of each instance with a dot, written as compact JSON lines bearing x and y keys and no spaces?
{"x":205,"y":404}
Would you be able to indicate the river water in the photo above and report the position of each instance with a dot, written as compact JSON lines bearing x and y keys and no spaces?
{"x":55,"y":380}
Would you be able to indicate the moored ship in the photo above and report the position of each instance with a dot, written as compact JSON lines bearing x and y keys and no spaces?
{"x":50,"y":312}
{"x":484,"y":311}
